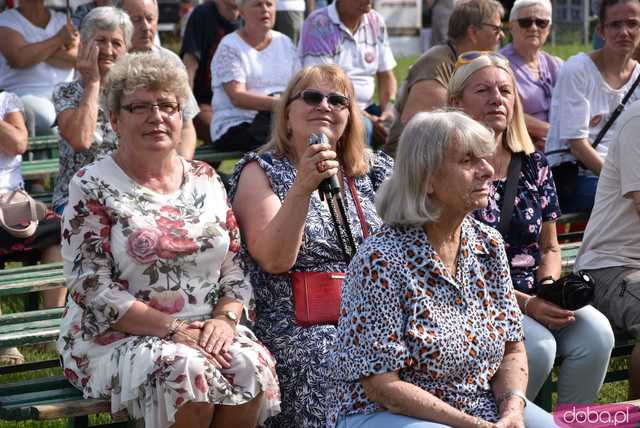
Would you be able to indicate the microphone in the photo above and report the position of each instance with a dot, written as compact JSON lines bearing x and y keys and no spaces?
{"x":330,"y":185}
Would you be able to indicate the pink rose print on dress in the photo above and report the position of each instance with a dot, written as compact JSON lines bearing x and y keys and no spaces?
{"x":522,"y":260}
{"x":171,"y":246}
{"x":109,"y":337}
{"x":169,"y":302}
{"x":201,"y":384}
{"x":141,"y":245}
{"x":234,"y":233}
{"x":71,"y":375}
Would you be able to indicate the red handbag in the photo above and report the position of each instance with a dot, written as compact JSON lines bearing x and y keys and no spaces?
{"x":316,"y":295}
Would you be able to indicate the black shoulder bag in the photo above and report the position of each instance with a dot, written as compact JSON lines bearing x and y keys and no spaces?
{"x":511,"y":188}
{"x":565,"y":174}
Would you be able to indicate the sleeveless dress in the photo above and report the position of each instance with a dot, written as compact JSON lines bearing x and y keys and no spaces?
{"x":121,"y":243}
{"x":302,"y":353}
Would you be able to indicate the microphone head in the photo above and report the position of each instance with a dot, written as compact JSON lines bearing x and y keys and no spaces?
{"x":318,"y":138}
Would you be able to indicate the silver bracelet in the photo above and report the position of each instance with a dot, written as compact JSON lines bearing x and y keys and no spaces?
{"x":173,"y":328}
{"x":512,"y":393}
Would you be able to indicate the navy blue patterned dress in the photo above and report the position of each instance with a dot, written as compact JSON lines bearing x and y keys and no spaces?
{"x":302,"y":353}
{"x":536,"y":202}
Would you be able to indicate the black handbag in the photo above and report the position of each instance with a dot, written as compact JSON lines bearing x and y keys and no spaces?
{"x":571,"y":292}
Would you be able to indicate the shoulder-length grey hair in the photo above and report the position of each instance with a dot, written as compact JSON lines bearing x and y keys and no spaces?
{"x":144,"y":71}
{"x":106,"y":18}
{"x":516,"y":137}
{"x":518,"y":5}
{"x":424,"y":145}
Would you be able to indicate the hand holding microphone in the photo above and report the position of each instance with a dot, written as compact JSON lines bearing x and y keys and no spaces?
{"x":329,"y":186}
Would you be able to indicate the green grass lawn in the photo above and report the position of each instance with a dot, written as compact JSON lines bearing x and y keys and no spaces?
{"x":610,"y":392}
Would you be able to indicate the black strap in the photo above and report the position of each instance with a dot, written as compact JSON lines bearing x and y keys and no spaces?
{"x":612,"y":118}
{"x":509,"y":200}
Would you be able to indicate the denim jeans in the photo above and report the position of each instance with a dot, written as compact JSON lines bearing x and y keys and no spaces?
{"x":584,"y":346}
{"x":584,"y":197}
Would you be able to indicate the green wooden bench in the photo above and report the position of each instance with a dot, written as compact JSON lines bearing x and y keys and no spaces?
{"x":29,"y":279}
{"x":52,"y":398}
{"x":622,"y":348}
{"x":43,"y":147}
{"x":42,"y":168}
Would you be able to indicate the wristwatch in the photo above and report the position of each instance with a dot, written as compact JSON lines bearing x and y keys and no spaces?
{"x":230,"y":315}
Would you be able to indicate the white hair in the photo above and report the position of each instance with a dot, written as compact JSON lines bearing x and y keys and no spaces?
{"x":424,"y":146}
{"x":106,"y":18}
{"x":523,"y":4}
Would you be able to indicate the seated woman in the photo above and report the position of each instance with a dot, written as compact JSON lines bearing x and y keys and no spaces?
{"x":38,"y":49}
{"x":589,"y":87}
{"x":149,"y":247}
{"x":85,"y":132}
{"x":250,"y":68}
{"x":430,"y":333}
{"x":483,"y":86}
{"x":535,"y":71}
{"x":44,"y":243}
{"x":287,"y":228}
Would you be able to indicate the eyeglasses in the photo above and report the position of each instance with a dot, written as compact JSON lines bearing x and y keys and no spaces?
{"x":528,"y":22}
{"x":631,"y":24}
{"x":497,"y":29}
{"x":167,"y":108}
{"x":314,"y":98}
{"x":470,"y":56}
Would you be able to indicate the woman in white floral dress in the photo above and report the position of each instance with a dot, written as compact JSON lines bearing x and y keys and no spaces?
{"x":149,"y":247}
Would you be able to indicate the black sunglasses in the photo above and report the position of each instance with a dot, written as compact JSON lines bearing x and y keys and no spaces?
{"x":528,"y":22}
{"x":314,"y":98}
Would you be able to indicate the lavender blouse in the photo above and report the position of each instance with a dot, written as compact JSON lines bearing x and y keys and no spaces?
{"x":534,"y":94}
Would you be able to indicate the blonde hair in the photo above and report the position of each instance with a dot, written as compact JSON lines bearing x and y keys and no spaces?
{"x":424,"y":146}
{"x":350,"y":147}
{"x":144,"y":70}
{"x":516,"y":138}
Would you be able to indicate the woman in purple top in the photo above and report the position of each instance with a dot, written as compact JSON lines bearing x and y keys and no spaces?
{"x":535,"y":71}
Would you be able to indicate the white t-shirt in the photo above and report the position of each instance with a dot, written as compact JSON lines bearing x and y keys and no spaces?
{"x":10,"y":174}
{"x":324,"y":39}
{"x":612,"y":237}
{"x":291,"y":5}
{"x":263,"y":72}
{"x":39,"y":79}
{"x":580,"y":106}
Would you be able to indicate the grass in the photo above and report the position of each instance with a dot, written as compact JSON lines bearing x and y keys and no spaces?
{"x":612,"y":392}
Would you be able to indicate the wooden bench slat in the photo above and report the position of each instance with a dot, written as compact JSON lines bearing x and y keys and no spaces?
{"x":29,"y":385}
{"x":72,"y":408}
{"x":30,"y":316}
{"x":31,"y":336}
{"x":39,"y":397}
{"x":32,"y":268}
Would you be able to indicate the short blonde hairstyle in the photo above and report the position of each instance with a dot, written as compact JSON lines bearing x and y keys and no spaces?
{"x":516,"y":138}
{"x":424,"y":146}
{"x":350,"y":147}
{"x":144,"y":71}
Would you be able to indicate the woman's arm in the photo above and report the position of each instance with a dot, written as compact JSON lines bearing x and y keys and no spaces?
{"x":20,"y":54}
{"x":538,"y":129}
{"x":240,"y":97}
{"x":273,"y":230}
{"x":511,"y":376}
{"x":78,"y":125}
{"x":582,"y":149}
{"x":410,"y":400}
{"x":550,"y":253}
{"x":13,"y":134}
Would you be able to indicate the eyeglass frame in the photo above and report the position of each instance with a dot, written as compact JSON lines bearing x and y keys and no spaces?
{"x":300,"y":96}
{"x":541,"y":23}
{"x":150,"y":108}
{"x":461,"y":61}
{"x":497,"y":29}
{"x":618,"y":24}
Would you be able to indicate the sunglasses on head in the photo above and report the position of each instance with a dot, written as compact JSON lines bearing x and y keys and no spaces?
{"x":470,"y":56}
{"x":528,"y":22}
{"x":313,"y":98}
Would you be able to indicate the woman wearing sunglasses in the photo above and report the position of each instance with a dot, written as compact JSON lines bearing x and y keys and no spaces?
{"x":589,"y":87}
{"x":288,"y":229}
{"x":535,"y":71}
{"x":484,"y":87}
{"x":250,"y":68}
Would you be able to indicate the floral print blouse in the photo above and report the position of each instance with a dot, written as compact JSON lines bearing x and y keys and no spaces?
{"x":403,"y":311}
{"x":536,"y":202}
{"x":68,"y":96}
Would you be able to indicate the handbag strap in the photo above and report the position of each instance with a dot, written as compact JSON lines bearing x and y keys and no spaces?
{"x":356,"y":201}
{"x":513,"y":175}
